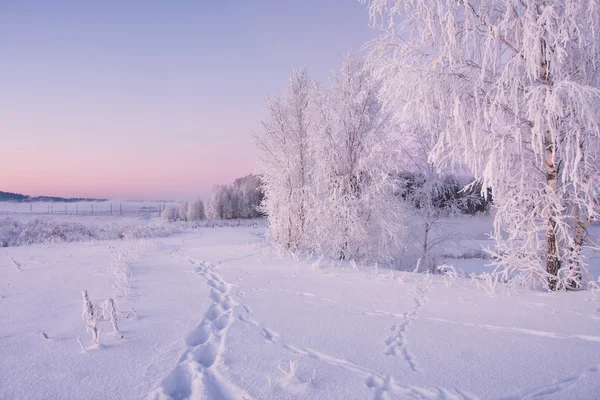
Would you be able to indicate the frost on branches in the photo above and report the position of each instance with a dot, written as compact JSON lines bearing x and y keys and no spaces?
{"x":328,"y":159}
{"x":513,"y":88}
{"x":285,"y":161}
{"x":358,"y":215}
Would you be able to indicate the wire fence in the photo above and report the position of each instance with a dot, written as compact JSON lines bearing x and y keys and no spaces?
{"x":83,"y":208}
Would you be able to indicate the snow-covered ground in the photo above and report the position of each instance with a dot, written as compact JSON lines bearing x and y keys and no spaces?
{"x":215,"y":314}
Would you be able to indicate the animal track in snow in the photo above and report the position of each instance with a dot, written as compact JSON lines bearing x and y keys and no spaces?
{"x":380,"y":384}
{"x":197,"y":375}
{"x":532,"y":332}
{"x":269,"y":334}
{"x":397,"y":343}
{"x":555,"y":387}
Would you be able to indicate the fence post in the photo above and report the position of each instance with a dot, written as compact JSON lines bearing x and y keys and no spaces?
{"x":110,"y":208}
{"x":76,"y":208}
{"x":120,"y":209}
{"x":65,"y":209}
{"x":92,"y":209}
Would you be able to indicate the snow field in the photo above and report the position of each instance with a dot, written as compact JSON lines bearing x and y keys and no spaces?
{"x":216,"y":314}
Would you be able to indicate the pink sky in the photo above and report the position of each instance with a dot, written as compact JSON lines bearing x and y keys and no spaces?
{"x":113,"y":99}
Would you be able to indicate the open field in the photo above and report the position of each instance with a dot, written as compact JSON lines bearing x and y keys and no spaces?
{"x":216,"y":313}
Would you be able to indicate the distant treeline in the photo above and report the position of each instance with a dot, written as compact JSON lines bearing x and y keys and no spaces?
{"x":21,"y":198}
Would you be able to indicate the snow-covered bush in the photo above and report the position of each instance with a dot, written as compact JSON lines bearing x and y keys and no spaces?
{"x":170,"y":213}
{"x":50,"y":230}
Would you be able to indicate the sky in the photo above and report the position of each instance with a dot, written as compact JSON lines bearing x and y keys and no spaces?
{"x":152,"y":99}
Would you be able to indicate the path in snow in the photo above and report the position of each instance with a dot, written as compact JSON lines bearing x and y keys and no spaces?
{"x":196,"y":375}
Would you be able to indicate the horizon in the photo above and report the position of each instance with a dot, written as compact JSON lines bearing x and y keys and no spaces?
{"x":135,"y":101}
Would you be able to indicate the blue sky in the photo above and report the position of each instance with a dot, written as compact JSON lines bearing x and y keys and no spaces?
{"x":150,"y":99}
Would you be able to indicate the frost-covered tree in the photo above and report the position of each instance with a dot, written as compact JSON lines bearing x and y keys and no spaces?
{"x":224,"y":203}
{"x":356,"y":155}
{"x":170,"y":213}
{"x":182,"y":213}
{"x":250,"y":194}
{"x":511,"y":86}
{"x":195,"y":211}
{"x":285,"y":161}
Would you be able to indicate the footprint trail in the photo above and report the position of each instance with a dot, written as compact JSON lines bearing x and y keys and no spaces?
{"x":196,"y":375}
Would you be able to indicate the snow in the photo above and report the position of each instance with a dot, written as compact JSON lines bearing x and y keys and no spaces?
{"x":215,"y":313}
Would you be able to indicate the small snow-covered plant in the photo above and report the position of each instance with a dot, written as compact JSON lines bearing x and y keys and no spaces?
{"x":376,"y":269}
{"x":353,"y":265}
{"x":109,"y":311}
{"x":449,"y":273}
{"x":313,"y":377}
{"x":488,"y":282}
{"x":316,"y":266}
{"x":401,"y":278}
{"x":418,"y":266}
{"x":90,"y":317}
{"x":288,"y":376}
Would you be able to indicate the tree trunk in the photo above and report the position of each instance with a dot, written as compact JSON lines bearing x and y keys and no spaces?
{"x":574,"y":270}
{"x":426,"y":244}
{"x":290,"y":219}
{"x":552,"y":257}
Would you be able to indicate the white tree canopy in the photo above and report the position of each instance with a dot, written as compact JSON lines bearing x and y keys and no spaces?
{"x":511,"y":86}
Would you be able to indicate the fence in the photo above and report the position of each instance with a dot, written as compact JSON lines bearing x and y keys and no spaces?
{"x":83,"y":208}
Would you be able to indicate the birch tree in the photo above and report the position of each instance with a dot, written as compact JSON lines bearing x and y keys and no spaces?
{"x":356,"y":155}
{"x":285,"y":161}
{"x":512,"y":86}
